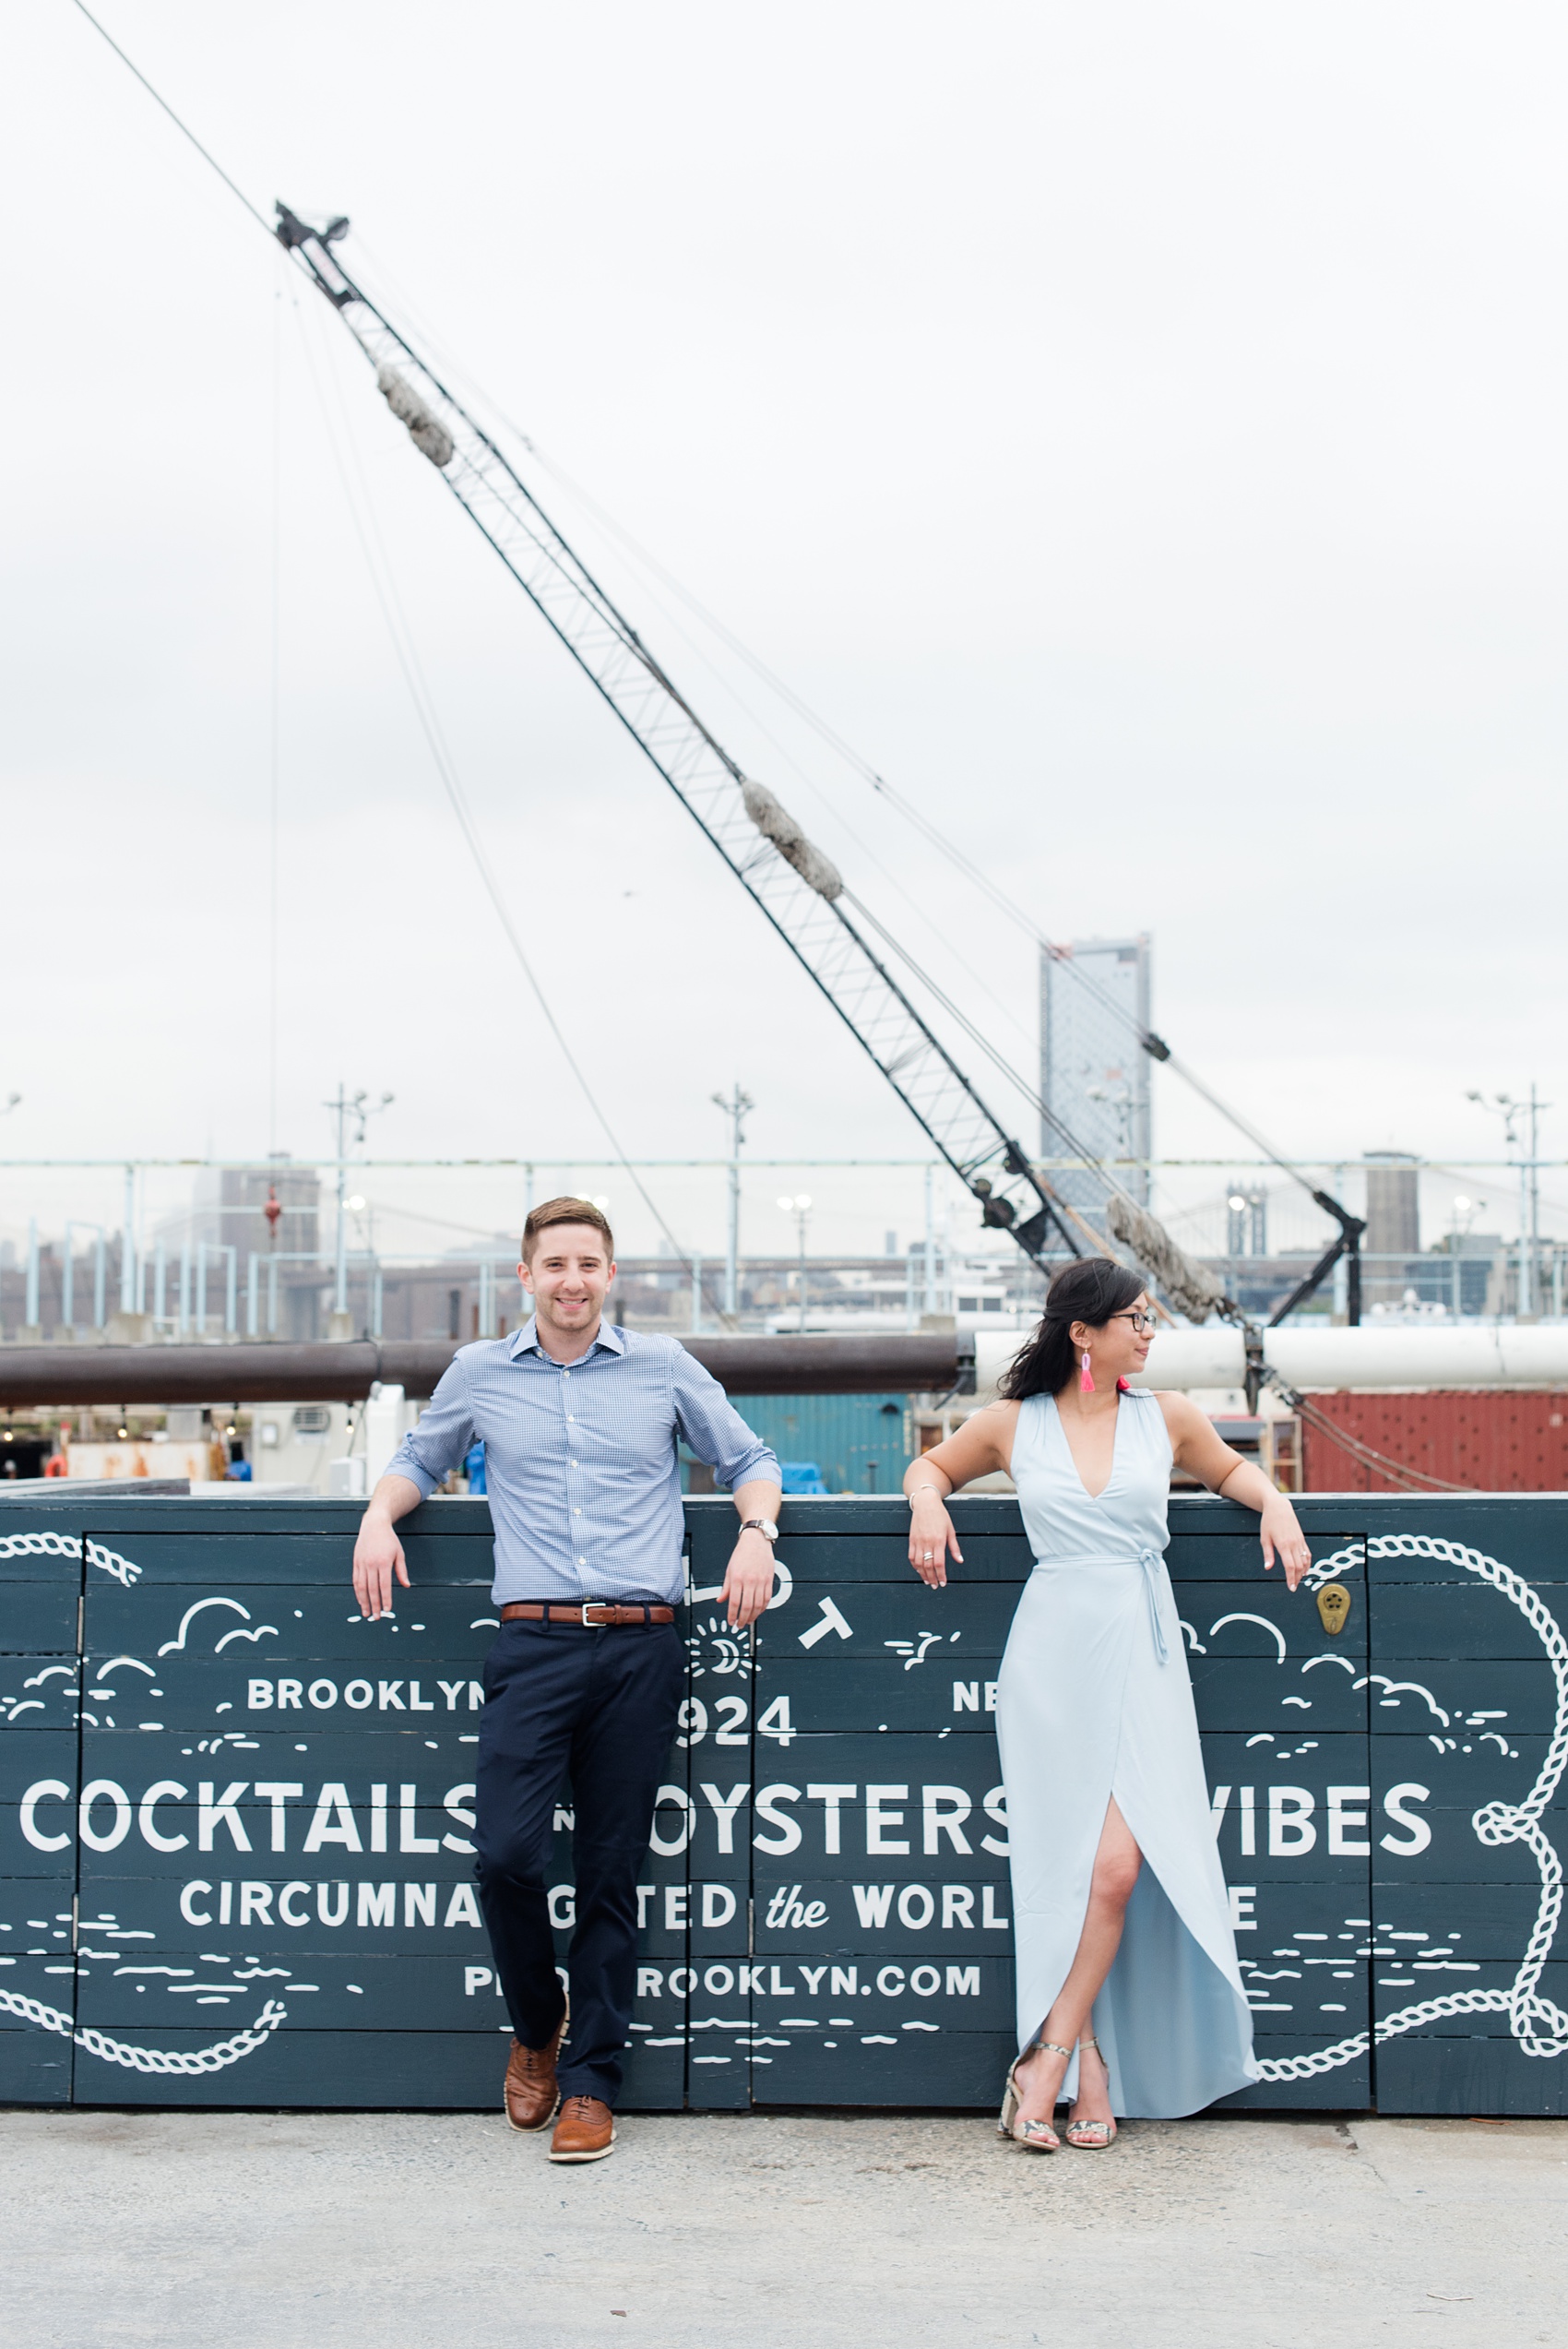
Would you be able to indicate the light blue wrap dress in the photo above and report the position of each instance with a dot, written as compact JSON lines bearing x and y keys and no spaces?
{"x":1095,"y":1701}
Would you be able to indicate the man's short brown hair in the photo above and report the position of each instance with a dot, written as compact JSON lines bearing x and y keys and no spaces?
{"x":566,"y":1210}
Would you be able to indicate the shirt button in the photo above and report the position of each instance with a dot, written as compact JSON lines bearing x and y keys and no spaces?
{"x":576,"y":1512}
{"x":582,"y":1561}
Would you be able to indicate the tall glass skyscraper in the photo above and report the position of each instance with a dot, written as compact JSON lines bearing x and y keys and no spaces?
{"x":1094,"y":1004}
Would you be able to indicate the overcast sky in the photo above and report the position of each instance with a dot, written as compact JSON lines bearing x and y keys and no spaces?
{"x":1140,"y":430}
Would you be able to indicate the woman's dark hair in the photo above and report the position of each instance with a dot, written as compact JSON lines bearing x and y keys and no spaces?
{"x":1091,"y":1290}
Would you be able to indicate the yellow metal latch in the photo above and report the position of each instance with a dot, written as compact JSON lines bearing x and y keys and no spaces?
{"x":1334,"y":1607}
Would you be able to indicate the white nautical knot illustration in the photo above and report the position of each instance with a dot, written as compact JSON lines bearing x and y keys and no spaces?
{"x":1539,"y":2028}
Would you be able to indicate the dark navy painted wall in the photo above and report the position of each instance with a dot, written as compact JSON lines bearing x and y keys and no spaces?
{"x":234,"y":1848}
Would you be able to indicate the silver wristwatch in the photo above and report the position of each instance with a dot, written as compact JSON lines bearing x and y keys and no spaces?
{"x":763,"y":1525}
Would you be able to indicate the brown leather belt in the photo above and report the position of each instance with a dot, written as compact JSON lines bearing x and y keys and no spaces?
{"x":592,"y":1616}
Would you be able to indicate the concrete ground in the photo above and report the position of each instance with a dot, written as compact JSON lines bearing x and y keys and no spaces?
{"x":436,"y":2231}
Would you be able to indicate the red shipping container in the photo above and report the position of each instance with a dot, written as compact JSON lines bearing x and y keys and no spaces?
{"x":1491,"y":1440}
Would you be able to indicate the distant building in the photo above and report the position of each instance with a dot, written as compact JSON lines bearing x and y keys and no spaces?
{"x":1394,"y":1223}
{"x":1472,"y":1273}
{"x":229,"y":1210}
{"x":1094,"y":1004}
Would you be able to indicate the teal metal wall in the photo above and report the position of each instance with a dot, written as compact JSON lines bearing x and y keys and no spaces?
{"x":861,"y":1443}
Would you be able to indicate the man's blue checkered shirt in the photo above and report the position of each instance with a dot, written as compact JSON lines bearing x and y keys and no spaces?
{"x":583,"y":1477}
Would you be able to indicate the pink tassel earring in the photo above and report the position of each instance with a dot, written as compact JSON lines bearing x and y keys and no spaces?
{"x":1085,"y":1377}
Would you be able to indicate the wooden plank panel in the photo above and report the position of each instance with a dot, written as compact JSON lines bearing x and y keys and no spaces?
{"x":38,"y":1619}
{"x":1478,"y":2075}
{"x":260,"y":1552}
{"x":952,"y":2070}
{"x":1470,"y":1619}
{"x":1342,"y":2085}
{"x":1472,"y":1920}
{"x":817,"y":1561}
{"x":1524,"y":1532}
{"x":36,"y":2066}
{"x":359,"y":2071}
{"x":1236,"y":1556}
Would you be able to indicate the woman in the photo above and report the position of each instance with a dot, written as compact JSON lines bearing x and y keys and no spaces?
{"x":1130,"y":1997}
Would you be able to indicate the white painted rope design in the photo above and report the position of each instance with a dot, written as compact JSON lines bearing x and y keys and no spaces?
{"x":1531,"y":2017}
{"x":51,"y":1544}
{"x":159,"y":2062}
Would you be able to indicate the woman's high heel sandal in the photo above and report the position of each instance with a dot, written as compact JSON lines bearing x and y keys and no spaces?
{"x":1090,"y":2136}
{"x":1038,"y":2134}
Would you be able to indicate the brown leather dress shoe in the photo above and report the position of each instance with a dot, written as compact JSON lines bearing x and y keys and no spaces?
{"x":585,"y":2132}
{"x":529,"y":2097}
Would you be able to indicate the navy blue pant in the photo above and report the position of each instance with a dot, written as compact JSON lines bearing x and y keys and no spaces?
{"x":597,"y":1707}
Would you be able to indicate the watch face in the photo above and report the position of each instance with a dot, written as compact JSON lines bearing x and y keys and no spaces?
{"x":766,"y":1528}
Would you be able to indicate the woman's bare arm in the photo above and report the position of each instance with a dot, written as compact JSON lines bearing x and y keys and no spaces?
{"x":1204,"y":1453}
{"x":979,"y":1448}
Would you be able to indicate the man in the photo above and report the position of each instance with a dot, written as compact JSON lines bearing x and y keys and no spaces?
{"x":579,"y":1421}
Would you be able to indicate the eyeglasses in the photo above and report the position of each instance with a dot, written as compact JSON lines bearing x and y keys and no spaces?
{"x":1140,"y":1321}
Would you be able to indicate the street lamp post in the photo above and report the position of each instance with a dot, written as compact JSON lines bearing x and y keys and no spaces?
{"x":1536,"y":1107}
{"x":734,"y":1106}
{"x":1503,"y":1106}
{"x":346,"y":1107}
{"x":128,"y":1284}
{"x":800,"y":1207}
{"x":1466,"y":1208}
{"x":930,"y":1242}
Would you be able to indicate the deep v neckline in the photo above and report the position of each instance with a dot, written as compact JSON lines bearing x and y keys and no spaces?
{"x":1093,"y":1499}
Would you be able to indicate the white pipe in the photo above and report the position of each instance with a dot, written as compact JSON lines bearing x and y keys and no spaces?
{"x":1397,"y":1357}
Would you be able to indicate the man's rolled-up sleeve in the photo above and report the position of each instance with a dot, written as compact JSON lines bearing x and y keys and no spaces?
{"x":714,"y":1430}
{"x":429,"y":1451}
